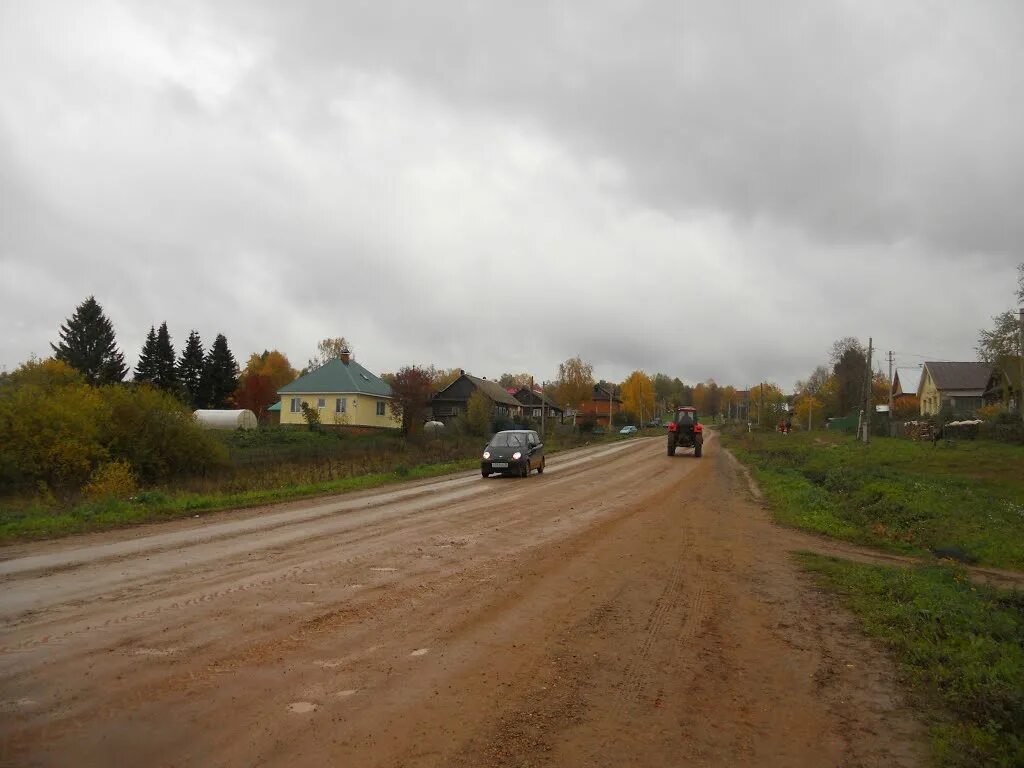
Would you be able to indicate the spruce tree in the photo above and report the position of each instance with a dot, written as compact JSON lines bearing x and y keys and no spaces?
{"x":220,"y":374}
{"x":166,"y":377}
{"x":146,"y":368}
{"x":190,"y":371}
{"x":87,"y":343}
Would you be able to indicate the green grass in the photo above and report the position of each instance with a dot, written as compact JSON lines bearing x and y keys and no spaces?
{"x":39,"y":522}
{"x":895,"y":494}
{"x":960,"y":647}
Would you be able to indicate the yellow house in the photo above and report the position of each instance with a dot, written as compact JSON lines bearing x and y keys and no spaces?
{"x":957,"y":385}
{"x":343,"y":392}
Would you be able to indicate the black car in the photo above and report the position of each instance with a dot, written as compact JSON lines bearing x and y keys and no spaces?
{"x":513,"y":452}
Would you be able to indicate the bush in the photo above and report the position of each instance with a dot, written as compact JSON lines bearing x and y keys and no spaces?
{"x":478,"y":413}
{"x":156,"y":433}
{"x":52,"y":432}
{"x":113,"y":479}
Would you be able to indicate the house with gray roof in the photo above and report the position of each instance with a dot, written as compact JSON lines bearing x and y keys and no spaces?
{"x":958,"y":386}
{"x":451,"y":401}
{"x":537,"y":405}
{"x":343,"y":393}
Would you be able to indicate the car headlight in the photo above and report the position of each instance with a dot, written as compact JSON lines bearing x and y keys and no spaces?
{"x":517,"y":455}
{"x":487,"y":454}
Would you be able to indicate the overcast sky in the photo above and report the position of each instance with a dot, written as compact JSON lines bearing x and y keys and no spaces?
{"x":715,"y":189}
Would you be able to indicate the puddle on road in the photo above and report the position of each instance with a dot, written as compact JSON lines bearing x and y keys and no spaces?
{"x":420,"y":652}
{"x":384,"y":569}
{"x":346,"y":694}
{"x":329,"y":663}
{"x":302,"y":707}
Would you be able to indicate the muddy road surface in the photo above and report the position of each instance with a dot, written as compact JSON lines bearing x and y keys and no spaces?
{"x":623,"y":609}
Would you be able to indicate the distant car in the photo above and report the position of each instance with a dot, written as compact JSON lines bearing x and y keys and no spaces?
{"x":629,"y":429}
{"x":513,"y":452}
{"x":655,"y":422}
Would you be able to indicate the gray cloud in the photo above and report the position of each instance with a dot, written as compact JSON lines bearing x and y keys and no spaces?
{"x":705,"y":190}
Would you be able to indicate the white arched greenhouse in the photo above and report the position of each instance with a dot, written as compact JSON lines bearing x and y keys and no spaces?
{"x":240,"y":419}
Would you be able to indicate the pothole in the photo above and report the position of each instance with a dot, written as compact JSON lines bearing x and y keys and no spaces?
{"x":420,"y":652}
{"x":345,"y":694}
{"x":302,"y":707}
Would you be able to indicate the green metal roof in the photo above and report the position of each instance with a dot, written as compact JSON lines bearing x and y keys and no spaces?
{"x":340,"y":377}
{"x":275,"y":407}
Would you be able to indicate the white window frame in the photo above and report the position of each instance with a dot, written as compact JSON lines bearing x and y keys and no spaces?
{"x":340,"y":405}
{"x":381,"y":408}
{"x":321,"y":402}
{"x":296,"y":405}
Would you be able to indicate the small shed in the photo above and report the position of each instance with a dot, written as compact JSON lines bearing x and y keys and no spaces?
{"x":239,"y":419}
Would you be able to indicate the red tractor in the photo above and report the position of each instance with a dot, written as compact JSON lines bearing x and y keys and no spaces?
{"x":685,"y":431}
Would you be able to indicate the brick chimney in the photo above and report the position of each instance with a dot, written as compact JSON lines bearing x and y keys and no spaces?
{"x":345,"y":355}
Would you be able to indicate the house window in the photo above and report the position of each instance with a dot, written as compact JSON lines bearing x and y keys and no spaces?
{"x":380,"y":407}
{"x":321,"y":402}
{"x":536,"y":413}
{"x":339,"y":405}
{"x":296,"y":404}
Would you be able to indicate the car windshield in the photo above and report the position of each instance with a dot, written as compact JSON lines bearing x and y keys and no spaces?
{"x":507,"y":439}
{"x":686,"y":417}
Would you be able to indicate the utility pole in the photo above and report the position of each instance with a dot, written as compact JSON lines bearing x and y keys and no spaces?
{"x":611,"y":391}
{"x":890,"y":384}
{"x":1020,"y":362}
{"x":543,"y":410}
{"x":867,"y":399}
{"x":760,"y":411}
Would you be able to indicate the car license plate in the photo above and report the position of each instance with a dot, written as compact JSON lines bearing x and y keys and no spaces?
{"x":499,"y":464}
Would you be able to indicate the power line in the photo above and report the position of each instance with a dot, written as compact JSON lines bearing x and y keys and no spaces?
{"x":929,"y":358}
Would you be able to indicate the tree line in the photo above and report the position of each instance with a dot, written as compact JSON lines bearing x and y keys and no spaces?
{"x":201,"y":379}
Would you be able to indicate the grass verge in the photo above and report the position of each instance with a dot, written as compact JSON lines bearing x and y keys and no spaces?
{"x":156,"y":505}
{"x":959,"y":646}
{"x":966,"y":497}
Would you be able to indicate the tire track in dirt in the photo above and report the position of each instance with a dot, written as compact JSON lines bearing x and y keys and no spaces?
{"x":510,"y":527}
{"x":433,"y":517}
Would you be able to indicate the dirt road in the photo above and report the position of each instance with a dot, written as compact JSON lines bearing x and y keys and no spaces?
{"x":625,"y":608}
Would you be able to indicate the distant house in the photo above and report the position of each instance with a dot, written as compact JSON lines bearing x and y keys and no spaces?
{"x":905,"y":383}
{"x":1003,"y":387}
{"x":451,"y":401}
{"x":343,"y":393}
{"x":604,"y":402}
{"x":537,"y":405}
{"x":960,"y":386}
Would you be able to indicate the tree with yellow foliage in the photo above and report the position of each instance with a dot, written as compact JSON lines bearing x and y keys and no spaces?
{"x":273,"y":365}
{"x":766,"y":401}
{"x":807,"y":411}
{"x":638,"y":395}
